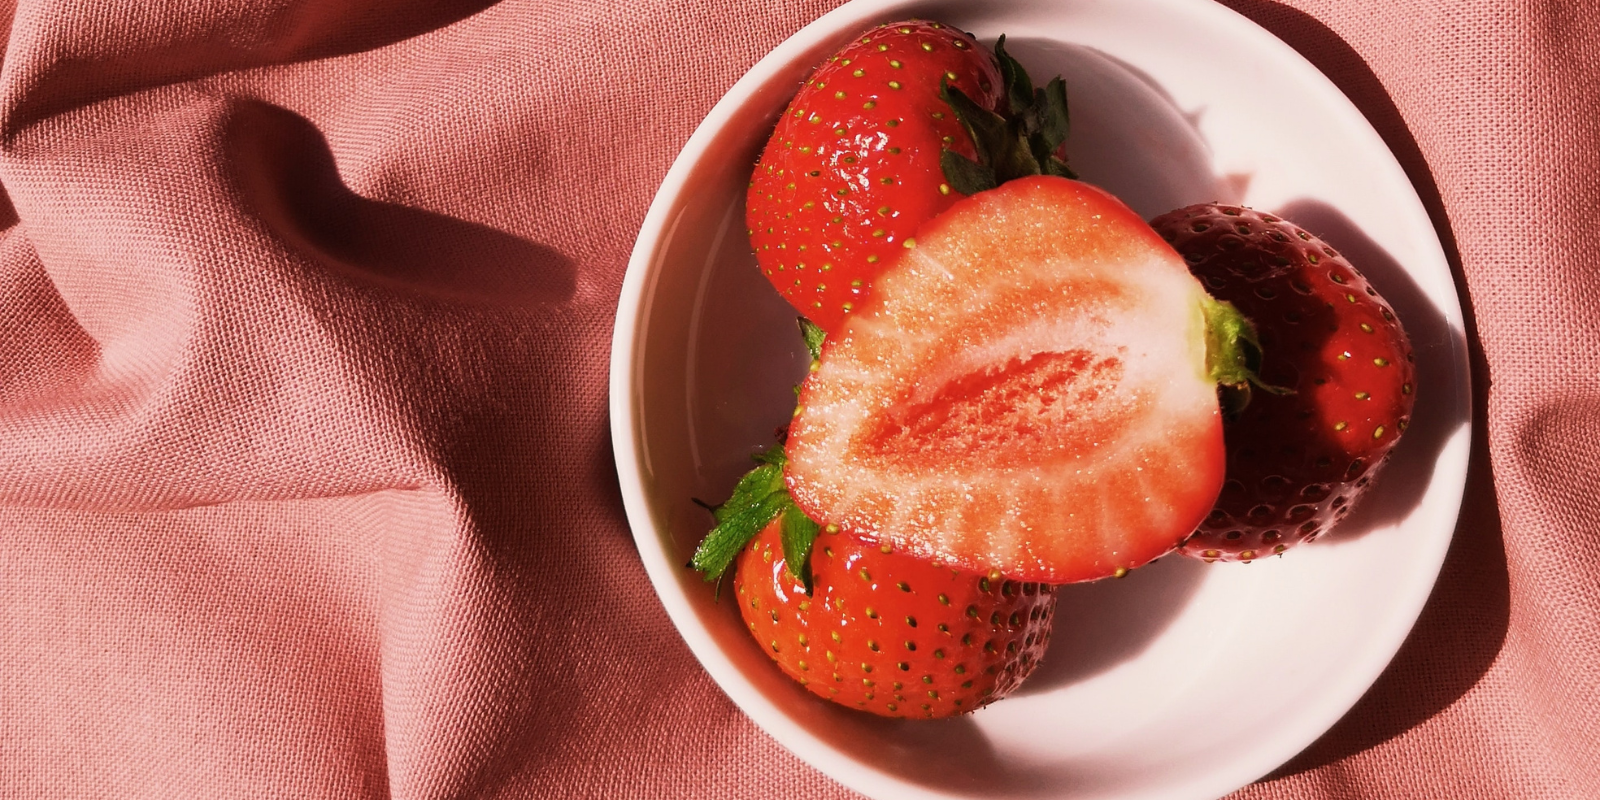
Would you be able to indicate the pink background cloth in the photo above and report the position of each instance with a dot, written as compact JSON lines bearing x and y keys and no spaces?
{"x":305,"y":480}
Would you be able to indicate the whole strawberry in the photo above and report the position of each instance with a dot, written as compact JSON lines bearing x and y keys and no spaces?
{"x":1032,"y":390}
{"x":1297,"y":460}
{"x":853,"y":166}
{"x":884,"y":632}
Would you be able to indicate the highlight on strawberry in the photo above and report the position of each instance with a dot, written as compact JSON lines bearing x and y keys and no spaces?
{"x":1016,"y":382}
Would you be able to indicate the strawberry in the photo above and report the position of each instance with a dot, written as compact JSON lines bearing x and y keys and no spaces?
{"x":1032,"y":390}
{"x":860,"y":624}
{"x":889,"y":633}
{"x":1296,"y":461}
{"x":854,"y":164}
{"x":852,"y":167}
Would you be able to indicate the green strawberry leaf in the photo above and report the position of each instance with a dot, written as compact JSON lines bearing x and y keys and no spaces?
{"x":990,"y":132}
{"x":1057,"y":167}
{"x":965,"y":175}
{"x":751,"y":489}
{"x":722,"y":545}
{"x":1054,"y":124}
{"x":1019,"y":87}
{"x":1015,"y":160}
{"x":1020,"y":142}
{"x":798,"y":532}
{"x":773,"y":455}
{"x":1041,"y":155}
{"x":1230,"y":341}
{"x":759,"y":498}
{"x":814,"y":337}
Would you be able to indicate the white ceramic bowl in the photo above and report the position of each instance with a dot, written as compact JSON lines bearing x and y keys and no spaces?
{"x":1183,"y":680}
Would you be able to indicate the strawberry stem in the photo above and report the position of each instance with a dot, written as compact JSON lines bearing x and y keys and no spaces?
{"x":797,"y":532}
{"x":813,"y":334}
{"x":1020,"y":139}
{"x":759,"y":498}
{"x":1233,"y":356}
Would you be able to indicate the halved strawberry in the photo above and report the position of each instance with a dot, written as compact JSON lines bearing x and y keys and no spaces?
{"x":1030,"y":391}
{"x":1296,"y":461}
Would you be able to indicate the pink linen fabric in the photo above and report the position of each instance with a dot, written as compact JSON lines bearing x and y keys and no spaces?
{"x":305,"y":481}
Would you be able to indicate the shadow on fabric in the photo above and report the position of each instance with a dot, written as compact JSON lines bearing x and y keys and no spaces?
{"x":483,"y":351}
{"x":8,"y":212}
{"x":288,"y":175}
{"x":1464,"y":624}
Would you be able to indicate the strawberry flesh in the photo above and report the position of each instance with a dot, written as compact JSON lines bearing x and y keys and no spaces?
{"x":1028,"y":392}
{"x":1296,"y":461}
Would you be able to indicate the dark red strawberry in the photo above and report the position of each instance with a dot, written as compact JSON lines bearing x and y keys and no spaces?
{"x":1296,"y":461}
{"x":853,"y":166}
{"x":888,"y":633}
{"x":1032,"y":390}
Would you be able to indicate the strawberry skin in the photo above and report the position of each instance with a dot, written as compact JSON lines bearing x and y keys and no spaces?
{"x":1028,"y":392}
{"x":1296,"y":462}
{"x":852,"y":168}
{"x":891,"y":634}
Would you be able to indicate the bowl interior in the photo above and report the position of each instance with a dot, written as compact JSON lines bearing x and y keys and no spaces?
{"x":1152,"y":685}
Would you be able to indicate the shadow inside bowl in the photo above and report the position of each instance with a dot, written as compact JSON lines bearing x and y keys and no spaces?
{"x":1438,"y":413}
{"x":1128,"y":136}
{"x":1102,"y":624}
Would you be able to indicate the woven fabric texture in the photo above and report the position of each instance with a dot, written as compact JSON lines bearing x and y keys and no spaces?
{"x":305,"y":480}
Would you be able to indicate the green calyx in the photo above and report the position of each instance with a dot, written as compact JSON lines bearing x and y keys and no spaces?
{"x":813,"y":335}
{"x":1233,"y":356}
{"x":759,"y":498}
{"x":1020,"y":140}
